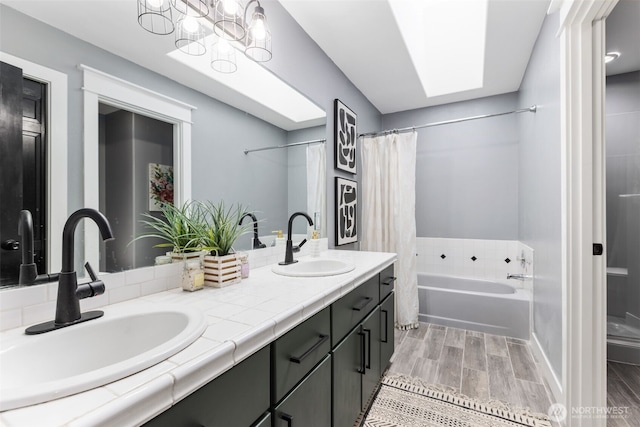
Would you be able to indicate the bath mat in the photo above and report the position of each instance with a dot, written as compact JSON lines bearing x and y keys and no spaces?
{"x":403,"y":401}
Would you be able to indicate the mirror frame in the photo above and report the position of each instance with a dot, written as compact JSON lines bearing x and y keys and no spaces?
{"x":104,"y":88}
{"x":57,"y":94}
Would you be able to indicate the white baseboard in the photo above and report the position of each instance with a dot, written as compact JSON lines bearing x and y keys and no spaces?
{"x":552,"y":380}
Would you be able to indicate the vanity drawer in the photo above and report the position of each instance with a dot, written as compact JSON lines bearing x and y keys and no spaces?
{"x":387,"y":282}
{"x":298,"y":351}
{"x":349,"y":310}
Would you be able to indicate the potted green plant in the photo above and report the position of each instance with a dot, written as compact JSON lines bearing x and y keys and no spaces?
{"x":177,"y":227}
{"x":218,"y":229}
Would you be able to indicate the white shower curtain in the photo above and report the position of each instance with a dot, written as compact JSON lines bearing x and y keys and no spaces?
{"x":389,"y":219}
{"x":316,"y":184}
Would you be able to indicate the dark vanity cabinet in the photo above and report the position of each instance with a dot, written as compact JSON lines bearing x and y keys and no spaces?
{"x":237,"y":398}
{"x":360,"y":357}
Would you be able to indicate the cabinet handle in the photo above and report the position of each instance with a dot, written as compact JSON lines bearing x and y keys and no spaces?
{"x":362,"y":304}
{"x":368,"y":332}
{"x":386,"y":327}
{"x":362,"y":369}
{"x":299,"y":359}
{"x":389,"y":281}
{"x":288,"y":418}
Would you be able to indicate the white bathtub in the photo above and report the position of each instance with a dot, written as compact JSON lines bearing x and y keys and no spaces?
{"x":495,"y":308}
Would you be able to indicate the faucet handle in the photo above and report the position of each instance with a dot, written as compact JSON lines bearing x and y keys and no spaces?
{"x":91,"y":289}
{"x":92,"y":274}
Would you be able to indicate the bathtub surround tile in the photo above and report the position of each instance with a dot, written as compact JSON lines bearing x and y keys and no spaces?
{"x":522,"y":362}
{"x":474,"y":353}
{"x":475,"y":383}
{"x":450,"y":367}
{"x":502,"y":382}
{"x":454,"y":337}
{"x":496,"y":345}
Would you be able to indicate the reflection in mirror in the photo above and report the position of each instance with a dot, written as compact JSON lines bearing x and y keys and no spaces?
{"x":136,"y":175}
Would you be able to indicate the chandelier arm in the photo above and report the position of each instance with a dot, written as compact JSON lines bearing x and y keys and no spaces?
{"x":247,"y":8}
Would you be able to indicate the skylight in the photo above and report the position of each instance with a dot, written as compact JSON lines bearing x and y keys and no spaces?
{"x":446,"y":41}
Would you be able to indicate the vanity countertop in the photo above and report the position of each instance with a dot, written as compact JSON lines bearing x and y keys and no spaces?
{"x":242,"y":318}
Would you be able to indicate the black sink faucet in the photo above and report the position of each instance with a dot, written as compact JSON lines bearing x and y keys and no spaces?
{"x":288,"y":256}
{"x":257,"y":244}
{"x":69,"y":293}
{"x":28,"y":269}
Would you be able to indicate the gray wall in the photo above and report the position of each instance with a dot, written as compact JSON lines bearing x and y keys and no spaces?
{"x":623,"y":177}
{"x":539,"y":199}
{"x":466,"y":173}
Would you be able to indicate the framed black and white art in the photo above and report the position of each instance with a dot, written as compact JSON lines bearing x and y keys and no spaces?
{"x":346,"y":211}
{"x":346,"y":134}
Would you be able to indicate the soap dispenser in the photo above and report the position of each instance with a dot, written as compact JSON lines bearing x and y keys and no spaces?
{"x":280,"y":240}
{"x":314,"y":244}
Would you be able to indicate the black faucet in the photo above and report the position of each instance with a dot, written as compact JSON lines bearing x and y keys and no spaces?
{"x":257,"y":244}
{"x":28,"y":269}
{"x":69,"y":293}
{"x":288,"y":255}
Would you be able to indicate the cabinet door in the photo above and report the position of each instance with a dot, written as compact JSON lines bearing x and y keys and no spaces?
{"x":387,"y":282}
{"x":348,"y":363}
{"x":349,"y":310}
{"x":371,"y":375}
{"x":235,"y":399}
{"x":309,"y":404}
{"x":387,"y":330}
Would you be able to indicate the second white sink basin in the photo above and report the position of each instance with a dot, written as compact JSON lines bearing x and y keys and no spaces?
{"x":314,"y":267}
{"x":126,"y":340}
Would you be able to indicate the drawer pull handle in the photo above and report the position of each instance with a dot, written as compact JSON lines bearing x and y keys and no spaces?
{"x":363,"y":303}
{"x":299,"y":359}
{"x":385,"y":328}
{"x":362,"y":369}
{"x":288,"y":418}
{"x":368,"y":332}
{"x":389,"y":281}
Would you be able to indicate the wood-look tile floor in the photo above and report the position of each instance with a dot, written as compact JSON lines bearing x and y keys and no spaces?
{"x":479,"y":365}
{"x":486,"y":366}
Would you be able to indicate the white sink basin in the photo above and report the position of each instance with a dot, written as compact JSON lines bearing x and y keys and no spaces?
{"x":314,"y":267}
{"x":126,"y":340}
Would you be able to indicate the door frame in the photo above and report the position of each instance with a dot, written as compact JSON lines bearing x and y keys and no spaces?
{"x":56,"y":140}
{"x":583,"y":217}
{"x":100,"y":87}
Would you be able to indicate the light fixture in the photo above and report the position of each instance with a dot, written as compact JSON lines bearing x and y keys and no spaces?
{"x":228,"y":18}
{"x":223,"y":56}
{"x":190,"y":36}
{"x":155,"y":16}
{"x":258,"y":44}
{"x":611,"y":56}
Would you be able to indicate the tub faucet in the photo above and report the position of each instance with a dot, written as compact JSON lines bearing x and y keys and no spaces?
{"x":69,"y":293}
{"x":288,"y":255}
{"x":519,"y":276}
{"x":257,"y":244}
{"x":28,"y":269}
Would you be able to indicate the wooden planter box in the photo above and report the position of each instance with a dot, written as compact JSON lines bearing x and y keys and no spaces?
{"x":185,"y":256}
{"x":221,"y":271}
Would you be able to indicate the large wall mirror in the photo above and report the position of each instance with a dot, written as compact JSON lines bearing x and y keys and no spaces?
{"x":203,"y":139}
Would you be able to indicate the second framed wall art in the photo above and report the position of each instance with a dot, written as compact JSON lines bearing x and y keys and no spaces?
{"x":346,"y":211}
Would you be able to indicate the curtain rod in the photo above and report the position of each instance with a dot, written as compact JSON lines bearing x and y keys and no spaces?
{"x":314,"y":141}
{"x":531,"y":109}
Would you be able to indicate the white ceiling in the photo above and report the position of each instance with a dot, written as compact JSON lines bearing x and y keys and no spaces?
{"x":365,"y":39}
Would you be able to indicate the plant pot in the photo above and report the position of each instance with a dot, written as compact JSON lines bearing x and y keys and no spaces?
{"x":221,"y":271}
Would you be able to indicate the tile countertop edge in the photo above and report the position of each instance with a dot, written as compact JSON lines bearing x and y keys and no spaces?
{"x":149,"y":399}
